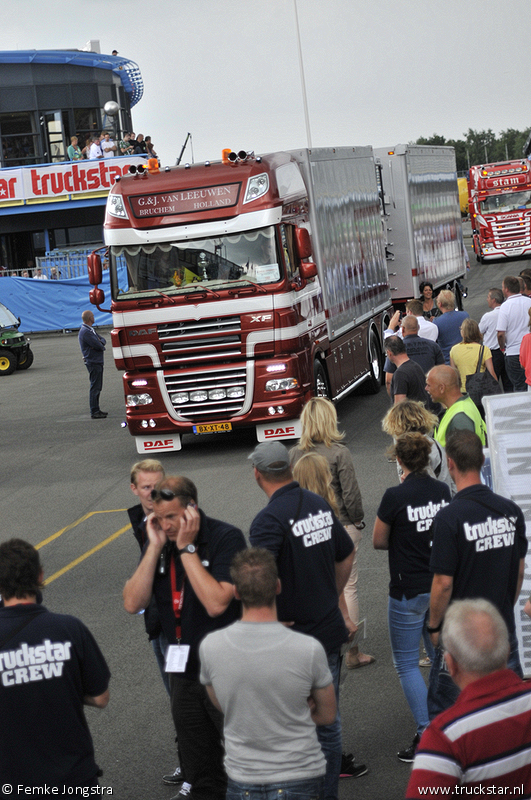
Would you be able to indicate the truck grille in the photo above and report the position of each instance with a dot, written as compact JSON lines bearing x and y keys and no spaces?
{"x":511,"y":232}
{"x":219,"y":380}
{"x":203,"y":340}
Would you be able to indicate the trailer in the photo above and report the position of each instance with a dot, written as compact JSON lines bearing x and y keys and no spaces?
{"x":422,"y":216}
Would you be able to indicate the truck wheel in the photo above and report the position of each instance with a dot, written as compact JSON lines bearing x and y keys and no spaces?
{"x":320,"y":380}
{"x":373,"y":383}
{"x":8,"y":363}
{"x":26,"y":361}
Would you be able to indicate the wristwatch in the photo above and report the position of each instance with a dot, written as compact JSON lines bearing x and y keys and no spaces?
{"x":359,"y":525}
{"x":190,"y":548}
{"x":434,"y":630}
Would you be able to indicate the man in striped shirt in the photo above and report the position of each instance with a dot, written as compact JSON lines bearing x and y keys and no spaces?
{"x":483,"y":742}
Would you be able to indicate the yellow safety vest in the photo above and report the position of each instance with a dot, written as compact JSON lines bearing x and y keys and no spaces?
{"x":464,"y":406}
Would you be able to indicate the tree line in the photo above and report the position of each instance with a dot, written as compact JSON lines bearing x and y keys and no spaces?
{"x":482,"y":147}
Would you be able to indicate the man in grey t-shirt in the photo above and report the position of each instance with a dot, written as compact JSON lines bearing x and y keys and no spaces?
{"x":273,"y":686}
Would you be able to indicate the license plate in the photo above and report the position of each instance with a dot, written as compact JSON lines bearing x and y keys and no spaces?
{"x":214,"y":427}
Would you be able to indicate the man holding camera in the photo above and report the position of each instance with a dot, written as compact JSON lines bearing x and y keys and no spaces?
{"x":186,"y":567}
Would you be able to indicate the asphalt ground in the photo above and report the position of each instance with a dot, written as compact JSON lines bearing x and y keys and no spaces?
{"x":65,"y":488}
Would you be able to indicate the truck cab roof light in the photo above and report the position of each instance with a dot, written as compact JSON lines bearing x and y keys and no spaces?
{"x":257,"y":186}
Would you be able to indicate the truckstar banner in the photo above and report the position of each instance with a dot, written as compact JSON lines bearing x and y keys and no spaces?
{"x":52,"y":181}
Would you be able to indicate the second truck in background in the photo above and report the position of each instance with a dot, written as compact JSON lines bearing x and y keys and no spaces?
{"x":422,"y":218}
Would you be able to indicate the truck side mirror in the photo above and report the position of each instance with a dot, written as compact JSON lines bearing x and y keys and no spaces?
{"x":96,"y":296}
{"x":94,"y":269}
{"x":308,"y":270}
{"x":304,"y":245}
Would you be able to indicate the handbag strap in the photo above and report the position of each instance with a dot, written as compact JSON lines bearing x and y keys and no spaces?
{"x":18,"y":629}
{"x":480,"y":359}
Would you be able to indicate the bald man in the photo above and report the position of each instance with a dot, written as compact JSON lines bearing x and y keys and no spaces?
{"x":92,"y":348}
{"x":443,"y":386}
{"x":426,"y":353}
{"x":481,"y":745}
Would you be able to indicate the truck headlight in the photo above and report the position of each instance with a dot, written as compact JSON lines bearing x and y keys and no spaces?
{"x":179,"y":398}
{"x":115,"y":206}
{"x":256,"y":187}
{"x":199,"y":396}
{"x":281,"y":384}
{"x":138,"y":400}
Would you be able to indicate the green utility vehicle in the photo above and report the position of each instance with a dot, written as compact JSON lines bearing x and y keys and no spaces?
{"x":15,"y":352}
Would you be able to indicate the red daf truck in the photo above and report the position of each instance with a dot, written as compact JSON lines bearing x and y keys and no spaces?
{"x":500,"y":209}
{"x":242,"y":287}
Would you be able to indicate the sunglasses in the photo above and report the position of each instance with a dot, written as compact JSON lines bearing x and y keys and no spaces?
{"x":164,"y":494}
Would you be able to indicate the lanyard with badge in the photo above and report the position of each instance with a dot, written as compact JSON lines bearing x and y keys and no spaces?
{"x":177,"y":654}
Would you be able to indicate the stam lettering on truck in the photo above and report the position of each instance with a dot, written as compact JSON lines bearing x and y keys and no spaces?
{"x":190,"y":200}
{"x":496,"y":183}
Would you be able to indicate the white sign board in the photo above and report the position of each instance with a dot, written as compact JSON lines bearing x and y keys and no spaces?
{"x":508,"y":418}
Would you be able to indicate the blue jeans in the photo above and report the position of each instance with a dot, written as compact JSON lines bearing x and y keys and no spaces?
{"x":312,"y":789}
{"x":406,"y":620}
{"x":95,"y":372}
{"x":516,"y":373}
{"x":442,"y":691}
{"x":329,"y":736}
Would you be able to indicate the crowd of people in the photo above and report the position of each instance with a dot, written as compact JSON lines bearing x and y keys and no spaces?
{"x":249,"y":640}
{"x":104,"y":146}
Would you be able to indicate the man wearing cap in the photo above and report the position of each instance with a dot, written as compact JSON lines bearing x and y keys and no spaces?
{"x":314,"y":556}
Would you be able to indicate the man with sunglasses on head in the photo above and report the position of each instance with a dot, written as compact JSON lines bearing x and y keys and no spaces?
{"x":186,"y":567}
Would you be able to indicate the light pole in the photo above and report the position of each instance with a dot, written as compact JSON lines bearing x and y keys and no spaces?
{"x":303,"y":83}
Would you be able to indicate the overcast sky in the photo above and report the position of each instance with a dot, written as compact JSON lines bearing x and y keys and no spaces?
{"x":377,"y":72}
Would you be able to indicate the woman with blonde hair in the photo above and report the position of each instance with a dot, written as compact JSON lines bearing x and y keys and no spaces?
{"x":313,"y":473}
{"x":320,"y":435}
{"x":464,"y":356}
{"x":411,"y":416}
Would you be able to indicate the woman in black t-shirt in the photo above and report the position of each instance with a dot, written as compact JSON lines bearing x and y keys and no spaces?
{"x":402,"y":527}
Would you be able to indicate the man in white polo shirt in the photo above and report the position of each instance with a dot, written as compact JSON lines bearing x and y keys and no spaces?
{"x":488,"y":325}
{"x":513,"y":324}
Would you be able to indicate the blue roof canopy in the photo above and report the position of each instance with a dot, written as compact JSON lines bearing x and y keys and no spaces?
{"x":128,"y":71}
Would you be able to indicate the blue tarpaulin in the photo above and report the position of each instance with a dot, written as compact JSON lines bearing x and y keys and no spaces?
{"x":53,"y":305}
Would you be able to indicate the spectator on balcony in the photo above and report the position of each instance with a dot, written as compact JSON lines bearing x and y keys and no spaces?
{"x":108,"y":146}
{"x":73,"y":150}
{"x":125,"y":147}
{"x":39,"y":275}
{"x":140,"y":145}
{"x":149,"y":148}
{"x":95,"y":148}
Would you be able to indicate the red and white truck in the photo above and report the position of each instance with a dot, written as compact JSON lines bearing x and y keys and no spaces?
{"x":500,"y":209}
{"x":242,"y":287}
{"x":423,"y":219}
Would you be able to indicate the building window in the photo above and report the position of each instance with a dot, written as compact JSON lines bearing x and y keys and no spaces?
{"x":86,"y":122}
{"x":20,"y":142}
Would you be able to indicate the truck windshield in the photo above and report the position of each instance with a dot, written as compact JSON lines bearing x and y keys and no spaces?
{"x":175,"y":267}
{"x":506,"y":202}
